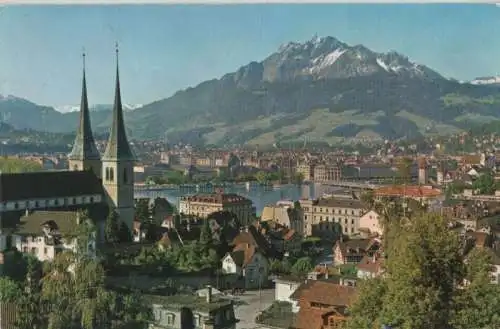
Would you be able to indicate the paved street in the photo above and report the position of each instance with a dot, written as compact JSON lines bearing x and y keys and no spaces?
{"x":247,"y":307}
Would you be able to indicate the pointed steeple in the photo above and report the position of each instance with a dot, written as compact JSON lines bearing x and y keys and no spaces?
{"x":84,"y":147}
{"x":118,"y":147}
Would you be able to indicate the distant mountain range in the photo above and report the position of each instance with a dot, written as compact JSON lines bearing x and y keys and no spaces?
{"x":96,"y":107}
{"x":318,"y":90}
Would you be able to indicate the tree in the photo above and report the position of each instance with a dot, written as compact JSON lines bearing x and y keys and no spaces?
{"x":142,"y":211}
{"x":485,"y":184}
{"x":302,"y":266}
{"x":421,"y":287}
{"x":298,"y":178}
{"x":112,"y":227}
{"x":477,"y":305}
{"x":9,"y":290}
{"x":124,"y":234}
{"x":368,"y":199}
{"x":206,"y":235}
{"x":30,"y":307}
{"x":262,"y":177}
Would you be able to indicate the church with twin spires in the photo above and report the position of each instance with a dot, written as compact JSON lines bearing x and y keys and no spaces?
{"x":115,"y":168}
{"x":34,"y":203}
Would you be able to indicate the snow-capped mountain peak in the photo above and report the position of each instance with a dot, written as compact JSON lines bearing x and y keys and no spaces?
{"x":486,"y":81}
{"x":327,"y":57}
{"x":95,"y":107}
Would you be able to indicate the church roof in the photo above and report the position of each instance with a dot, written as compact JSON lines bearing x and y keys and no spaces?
{"x":118,"y":147}
{"x":48,"y":184}
{"x":84,"y":147}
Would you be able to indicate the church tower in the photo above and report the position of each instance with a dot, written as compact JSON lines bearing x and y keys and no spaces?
{"x":84,"y":155}
{"x":118,"y":163}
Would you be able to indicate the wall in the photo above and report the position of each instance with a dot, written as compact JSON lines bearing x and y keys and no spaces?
{"x":283,"y":290}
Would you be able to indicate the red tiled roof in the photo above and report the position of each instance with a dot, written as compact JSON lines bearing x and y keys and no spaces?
{"x":333,"y":297}
{"x":409,"y":191}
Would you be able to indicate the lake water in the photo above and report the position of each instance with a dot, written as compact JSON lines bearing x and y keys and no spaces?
{"x":260,"y":195}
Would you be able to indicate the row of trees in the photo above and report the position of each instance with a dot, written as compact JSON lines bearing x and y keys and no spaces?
{"x":423,"y":286}
{"x":262,"y":177}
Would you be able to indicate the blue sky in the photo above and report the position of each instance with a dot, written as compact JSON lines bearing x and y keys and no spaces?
{"x":167,"y":48}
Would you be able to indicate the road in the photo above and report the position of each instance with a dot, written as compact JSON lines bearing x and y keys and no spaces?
{"x":247,"y":306}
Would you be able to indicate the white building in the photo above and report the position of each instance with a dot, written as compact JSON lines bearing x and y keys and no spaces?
{"x":248,"y":262}
{"x":371,"y":221}
{"x":284,"y":288}
{"x":47,"y":233}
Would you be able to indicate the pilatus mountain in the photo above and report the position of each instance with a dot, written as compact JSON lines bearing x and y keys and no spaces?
{"x":320,"y":90}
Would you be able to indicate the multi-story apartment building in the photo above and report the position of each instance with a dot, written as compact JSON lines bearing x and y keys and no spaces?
{"x":325,"y":172}
{"x":202,"y":205}
{"x":329,"y":218}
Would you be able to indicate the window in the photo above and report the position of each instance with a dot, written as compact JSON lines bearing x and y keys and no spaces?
{"x":197,"y":320}
{"x":33,"y":250}
{"x":45,"y":251}
{"x":37,"y":204}
{"x":125,"y":178}
{"x":16,"y":205}
{"x":56,"y":202}
{"x":111,"y":174}
{"x":91,"y":199}
{"x":106,"y":174}
{"x":170,"y":319}
{"x":157,"y":314}
{"x":74,"y":200}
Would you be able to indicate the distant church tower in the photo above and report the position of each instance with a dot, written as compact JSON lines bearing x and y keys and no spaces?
{"x":84,"y":155}
{"x":118,"y":163}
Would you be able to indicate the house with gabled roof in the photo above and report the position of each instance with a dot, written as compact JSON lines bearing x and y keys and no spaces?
{"x":353,"y":251}
{"x":248,"y":264}
{"x":322,"y":304}
{"x":44,"y":234}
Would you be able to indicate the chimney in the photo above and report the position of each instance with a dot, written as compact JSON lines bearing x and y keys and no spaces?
{"x":209,"y":294}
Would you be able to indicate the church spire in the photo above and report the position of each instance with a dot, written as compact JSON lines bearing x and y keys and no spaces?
{"x":84,"y":147}
{"x":118,"y":147}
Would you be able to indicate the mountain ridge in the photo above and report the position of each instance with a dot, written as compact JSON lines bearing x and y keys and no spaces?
{"x":321,"y":90}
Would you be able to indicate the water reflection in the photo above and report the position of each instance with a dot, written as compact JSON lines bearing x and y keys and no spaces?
{"x":260,"y":195}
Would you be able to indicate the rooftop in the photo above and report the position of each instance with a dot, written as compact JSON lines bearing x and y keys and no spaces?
{"x":192,"y":301}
